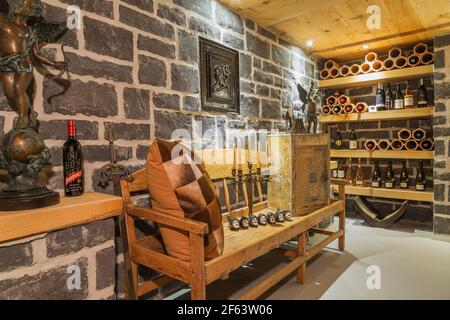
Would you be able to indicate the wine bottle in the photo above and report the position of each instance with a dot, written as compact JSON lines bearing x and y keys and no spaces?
{"x":338,"y":140}
{"x":380,"y":99}
{"x":349,"y":175}
{"x":73,"y":164}
{"x":389,"y":100}
{"x":404,"y":178}
{"x":389,"y":180}
{"x":341,"y":171}
{"x":420,"y":178}
{"x":422,"y":99}
{"x":353,"y":140}
{"x":376,"y":176}
{"x":399,"y":102}
{"x":409,"y":99}
{"x":337,"y":109}
{"x":359,"y":179}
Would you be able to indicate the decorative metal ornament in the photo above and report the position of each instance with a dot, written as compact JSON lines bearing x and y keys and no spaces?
{"x":22,"y":152}
{"x":309,"y":109}
{"x":377,"y":218}
{"x":219,"y":77}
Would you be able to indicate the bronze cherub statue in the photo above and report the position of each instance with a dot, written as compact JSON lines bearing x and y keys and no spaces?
{"x":23,"y":153}
{"x":309,"y":107}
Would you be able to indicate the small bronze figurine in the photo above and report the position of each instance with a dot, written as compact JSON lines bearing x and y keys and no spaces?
{"x":309,"y":106}
{"x":23,"y":152}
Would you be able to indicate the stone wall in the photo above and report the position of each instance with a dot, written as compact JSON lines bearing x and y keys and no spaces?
{"x":418,"y":211}
{"x":41,"y":267}
{"x":134,"y":68}
{"x":442,"y":135}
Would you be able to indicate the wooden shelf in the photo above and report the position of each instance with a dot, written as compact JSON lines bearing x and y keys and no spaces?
{"x":414,"y":113}
{"x":383,"y":154}
{"x":333,"y":165}
{"x":401,"y":194}
{"x":375,"y":77}
{"x":69,"y":212}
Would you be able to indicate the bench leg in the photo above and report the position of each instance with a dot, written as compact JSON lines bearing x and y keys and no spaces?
{"x":342,"y":227}
{"x":198,"y":275}
{"x":301,"y":251}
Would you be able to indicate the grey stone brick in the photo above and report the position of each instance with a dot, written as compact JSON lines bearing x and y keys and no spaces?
{"x":202,"y":7}
{"x":263,"y":91}
{"x":281,"y":56}
{"x":167,"y":101}
{"x":184,"y":78}
{"x":157,"y":47}
{"x":228,"y":19}
{"x":188,"y":47}
{"x":271,"y":68}
{"x":249,"y":106}
{"x":249,"y":24}
{"x":136,"y":103}
{"x":247,"y":87}
{"x":439,"y":59}
{"x":263,"y":77}
{"x":92,"y":153}
{"x":233,"y":41}
{"x":152,"y":71}
{"x":168,"y":122}
{"x":100,"y":7}
{"x":206,"y":29}
{"x":191,"y":103}
{"x":15,"y":256}
{"x":146,"y":5}
{"x":47,"y":285}
{"x":89,"y":98}
{"x":442,"y":90}
{"x":53,"y":13}
{"x":99,"y":69}
{"x":266,"y":33}
{"x":439,"y":120}
{"x":142,"y":151}
{"x":172,"y":14}
{"x":440,"y":107}
{"x":439,"y":192}
{"x":441,"y":225}
{"x":106,"y":39}
{"x":129,"y":131}
{"x":146,"y":23}
{"x":442,"y":41}
{"x":270,"y":109}
{"x":57,"y":129}
{"x":106,"y":267}
{"x":75,"y":238}
{"x":257,"y":46}
{"x":245,"y":66}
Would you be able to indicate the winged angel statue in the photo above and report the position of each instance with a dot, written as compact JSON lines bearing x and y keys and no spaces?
{"x":23,"y":32}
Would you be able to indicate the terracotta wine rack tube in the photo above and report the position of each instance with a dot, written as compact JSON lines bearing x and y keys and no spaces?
{"x":371,"y":57}
{"x":337,"y":109}
{"x":361,"y":107}
{"x":344,"y":71}
{"x":384,"y":144}
{"x":400,"y":62}
{"x":377,"y":66}
{"x":413,"y":60}
{"x":324,"y":74}
{"x":343,"y":99}
{"x":419,"y":134}
{"x":326,"y":109}
{"x":397,"y":144}
{"x":389,"y":64}
{"x":420,"y":48}
{"x":366,"y":67}
{"x":404,"y":134}
{"x":371,"y":145}
{"x":427,"y":144}
{"x":330,"y":64}
{"x":349,"y":108}
{"x":334,"y":72}
{"x":427,"y":58}
{"x":355,"y":69}
{"x":394,"y":53}
{"x":411,"y":145}
{"x":331,"y":100}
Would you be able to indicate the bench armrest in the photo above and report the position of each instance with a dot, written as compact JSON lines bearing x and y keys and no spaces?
{"x":163,"y":218}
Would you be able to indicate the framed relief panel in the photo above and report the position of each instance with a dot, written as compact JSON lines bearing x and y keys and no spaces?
{"x":219,"y":77}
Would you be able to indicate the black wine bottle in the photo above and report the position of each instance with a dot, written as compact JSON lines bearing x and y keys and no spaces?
{"x":399,"y":101}
{"x":380,"y":99}
{"x":376,"y":176}
{"x":73,"y":164}
{"x":353,"y":140}
{"x":389,"y":180}
{"x":338,"y":140}
{"x":420,"y":178}
{"x":404,"y":178}
{"x":409,"y":98}
{"x":389,"y":101}
{"x":341,"y":171}
{"x":422,"y":99}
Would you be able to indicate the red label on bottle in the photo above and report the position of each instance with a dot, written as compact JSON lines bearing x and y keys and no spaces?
{"x":73,"y":176}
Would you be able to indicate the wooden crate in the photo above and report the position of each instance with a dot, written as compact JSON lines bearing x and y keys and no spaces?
{"x":299,"y":169}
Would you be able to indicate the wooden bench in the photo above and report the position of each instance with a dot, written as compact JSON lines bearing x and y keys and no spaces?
{"x":241,"y":246}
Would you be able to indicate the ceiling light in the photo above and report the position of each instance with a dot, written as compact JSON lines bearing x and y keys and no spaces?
{"x":309,"y":43}
{"x":365,"y":46}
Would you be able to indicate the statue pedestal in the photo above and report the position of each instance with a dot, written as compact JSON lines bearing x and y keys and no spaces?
{"x":14,"y":200}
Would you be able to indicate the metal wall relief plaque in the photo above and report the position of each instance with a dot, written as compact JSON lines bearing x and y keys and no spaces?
{"x":219,"y":75}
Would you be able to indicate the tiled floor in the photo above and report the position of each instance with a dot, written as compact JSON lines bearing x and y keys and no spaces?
{"x":412,"y":265}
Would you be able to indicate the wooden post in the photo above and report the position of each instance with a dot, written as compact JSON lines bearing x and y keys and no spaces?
{"x":341,"y":240}
{"x":301,"y":253}
{"x":198,"y":284}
